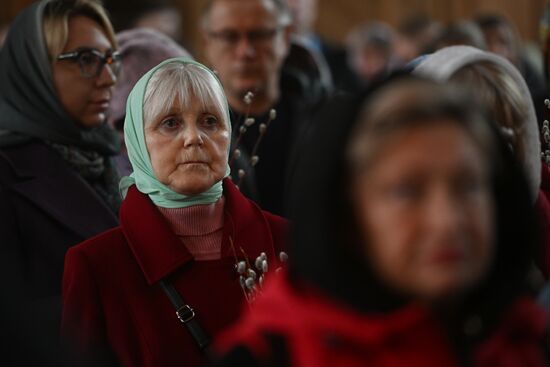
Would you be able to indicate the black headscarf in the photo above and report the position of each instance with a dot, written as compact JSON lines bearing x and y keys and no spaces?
{"x":324,"y":249}
{"x":29,"y":105}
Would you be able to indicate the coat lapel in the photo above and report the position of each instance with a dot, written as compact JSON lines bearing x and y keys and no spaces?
{"x":245,"y":227}
{"x":159,"y":252}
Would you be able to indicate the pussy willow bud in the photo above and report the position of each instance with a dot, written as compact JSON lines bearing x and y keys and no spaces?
{"x":242,"y":173}
{"x":249,"y":282}
{"x":241,"y":267}
{"x":262,"y":128}
{"x":272,"y":114}
{"x":258,"y":263}
{"x":254,"y":160}
{"x":248,"y":97}
{"x":249,"y":121}
{"x":242,"y":129}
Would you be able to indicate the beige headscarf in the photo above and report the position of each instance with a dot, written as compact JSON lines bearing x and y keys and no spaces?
{"x":444,"y":63}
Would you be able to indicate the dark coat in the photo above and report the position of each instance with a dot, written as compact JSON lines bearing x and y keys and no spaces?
{"x":267,"y":182}
{"x":45,"y":208}
{"x":543,"y":209}
{"x":111,"y":288}
{"x":343,"y":77}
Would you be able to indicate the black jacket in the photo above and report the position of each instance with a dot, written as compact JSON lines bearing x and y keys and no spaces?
{"x":45,"y":208}
{"x":267,"y":182}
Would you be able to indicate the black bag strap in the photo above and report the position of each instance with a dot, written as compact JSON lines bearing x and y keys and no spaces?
{"x":186,"y":315}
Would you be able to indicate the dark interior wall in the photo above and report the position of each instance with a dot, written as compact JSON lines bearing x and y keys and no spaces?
{"x":337,"y":17}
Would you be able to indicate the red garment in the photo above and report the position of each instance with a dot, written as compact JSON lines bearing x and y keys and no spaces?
{"x":199,"y":227}
{"x":319,"y":332}
{"x":111,"y":292}
{"x":543,"y":208}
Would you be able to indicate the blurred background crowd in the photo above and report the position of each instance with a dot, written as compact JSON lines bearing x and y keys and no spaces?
{"x":151,"y":151}
{"x":367,"y":37}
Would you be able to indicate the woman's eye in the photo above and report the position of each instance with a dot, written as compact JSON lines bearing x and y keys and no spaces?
{"x":405,"y":191}
{"x":170,"y":123}
{"x":210,"y":120}
{"x":469,"y":186}
{"x":88,"y":58}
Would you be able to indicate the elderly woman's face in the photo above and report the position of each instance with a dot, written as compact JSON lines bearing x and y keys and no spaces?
{"x":426,"y":210}
{"x":188,"y":147}
{"x":86,"y":99}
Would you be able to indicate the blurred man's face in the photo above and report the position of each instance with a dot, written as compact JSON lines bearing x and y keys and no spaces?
{"x":500,"y":40}
{"x":246,"y":45}
{"x":370,"y":62}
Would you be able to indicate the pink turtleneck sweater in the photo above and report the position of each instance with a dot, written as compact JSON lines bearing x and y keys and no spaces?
{"x":199,"y":227}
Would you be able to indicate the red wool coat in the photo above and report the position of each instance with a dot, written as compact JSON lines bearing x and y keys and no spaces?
{"x":111,"y":293}
{"x":320,"y":332}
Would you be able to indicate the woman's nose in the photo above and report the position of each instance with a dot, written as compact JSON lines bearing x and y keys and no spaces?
{"x":444,"y":213}
{"x":192,"y":136}
{"x":107,"y":77}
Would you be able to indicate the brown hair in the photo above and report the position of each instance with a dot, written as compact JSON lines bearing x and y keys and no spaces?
{"x":498,"y":91}
{"x":409,"y":104}
{"x":57,"y":14}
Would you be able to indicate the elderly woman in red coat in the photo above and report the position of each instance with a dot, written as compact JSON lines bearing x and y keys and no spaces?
{"x":411,"y":244}
{"x":187,"y":240}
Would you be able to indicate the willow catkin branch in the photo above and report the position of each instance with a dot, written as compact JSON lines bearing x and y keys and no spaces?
{"x":262,"y":129}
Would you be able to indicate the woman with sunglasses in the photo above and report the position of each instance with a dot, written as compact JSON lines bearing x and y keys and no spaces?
{"x":57,"y":183}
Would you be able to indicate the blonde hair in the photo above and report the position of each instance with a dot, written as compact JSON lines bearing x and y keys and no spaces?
{"x":183,"y":82}
{"x":500,"y":93}
{"x":57,"y":14}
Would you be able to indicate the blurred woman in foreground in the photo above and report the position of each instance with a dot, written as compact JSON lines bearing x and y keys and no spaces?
{"x":404,"y":252}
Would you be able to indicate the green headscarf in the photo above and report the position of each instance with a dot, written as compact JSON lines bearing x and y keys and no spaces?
{"x":143,"y":176}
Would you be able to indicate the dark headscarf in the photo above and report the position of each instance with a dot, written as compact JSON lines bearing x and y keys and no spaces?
{"x":325,"y":247}
{"x":29,"y":104}
{"x":30,"y":108}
